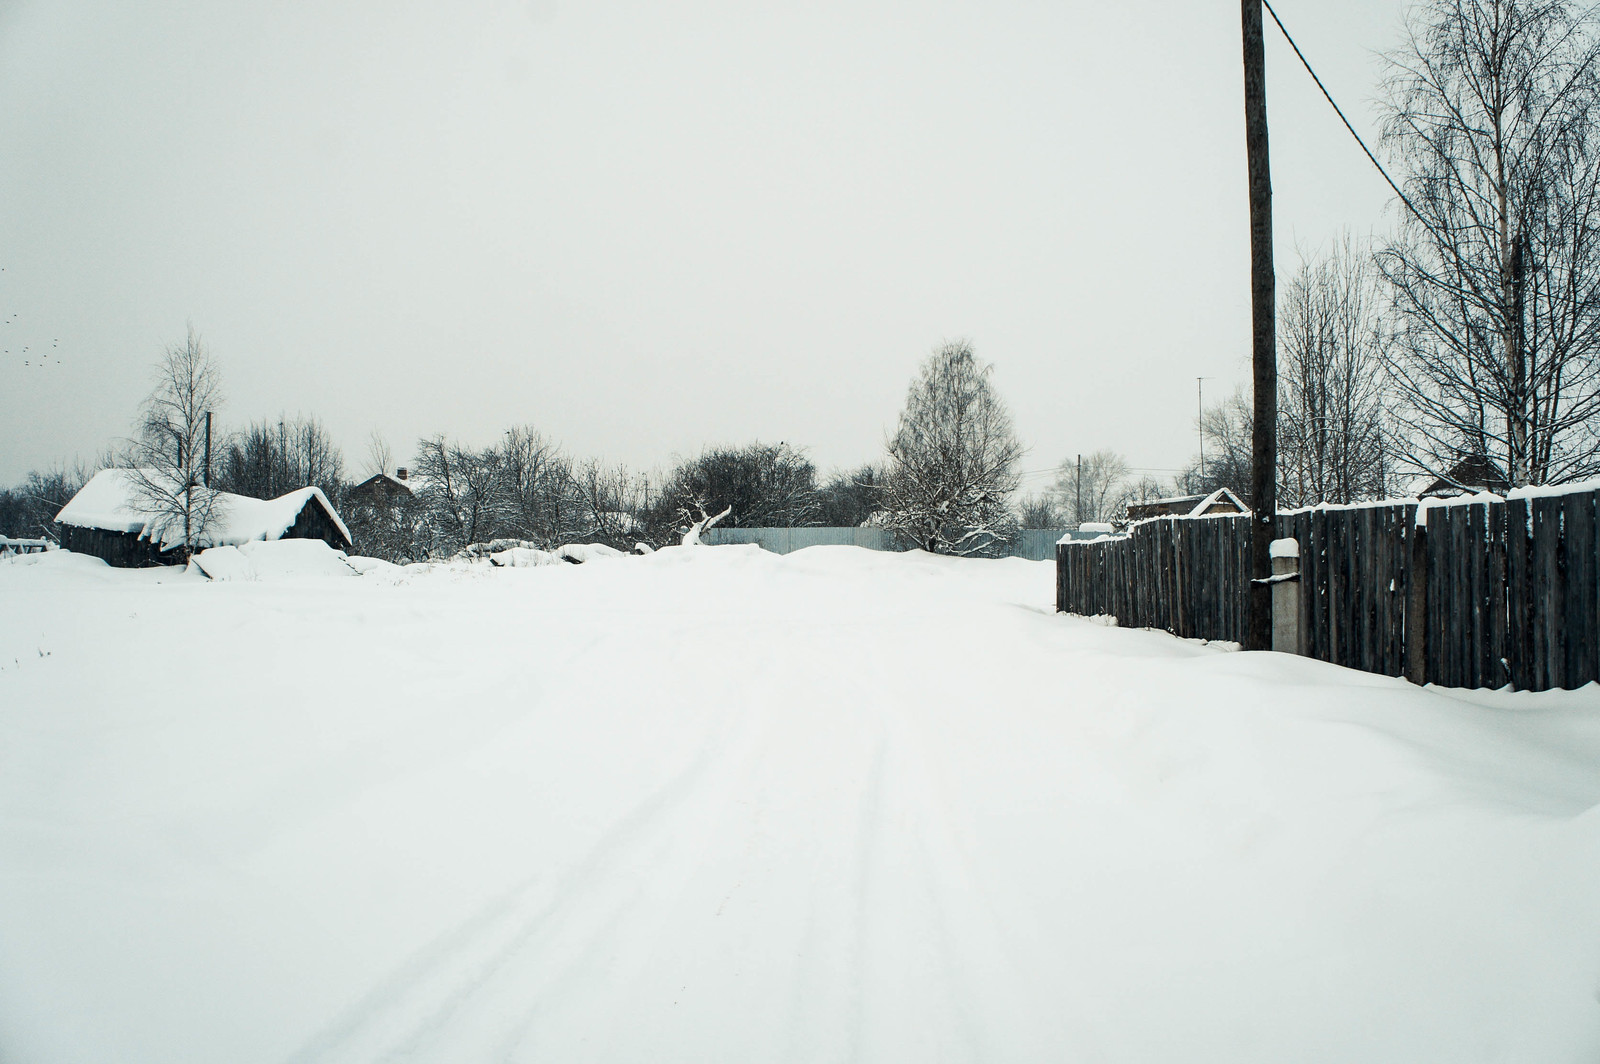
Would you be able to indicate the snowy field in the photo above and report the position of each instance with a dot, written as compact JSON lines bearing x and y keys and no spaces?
{"x":720,"y":805}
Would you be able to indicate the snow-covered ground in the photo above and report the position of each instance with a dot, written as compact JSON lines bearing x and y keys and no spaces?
{"x":718,"y":805}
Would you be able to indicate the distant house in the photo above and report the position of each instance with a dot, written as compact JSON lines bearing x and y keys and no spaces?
{"x":1221,"y":501}
{"x":1467,"y":477}
{"x":381,"y":489}
{"x":110,"y":519}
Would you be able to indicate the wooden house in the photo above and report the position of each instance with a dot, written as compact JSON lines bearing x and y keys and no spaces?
{"x":112,"y":519}
{"x":1467,"y":477}
{"x":381,"y":490}
{"x":1221,"y":501}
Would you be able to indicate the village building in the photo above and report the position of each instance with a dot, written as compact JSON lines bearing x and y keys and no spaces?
{"x":1467,"y":477}
{"x":382,"y":490}
{"x":111,"y":519}
{"x":1221,"y":501}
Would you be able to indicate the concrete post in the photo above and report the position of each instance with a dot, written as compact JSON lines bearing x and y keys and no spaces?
{"x":1285,"y":555}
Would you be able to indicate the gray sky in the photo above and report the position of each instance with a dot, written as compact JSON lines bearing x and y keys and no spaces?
{"x":648,"y":227}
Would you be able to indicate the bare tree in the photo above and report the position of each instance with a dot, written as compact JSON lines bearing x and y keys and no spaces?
{"x":764,"y":485}
{"x":267,"y":459}
{"x":380,"y":456}
{"x":540,"y":500}
{"x":1332,"y":444}
{"x":952,"y":459}
{"x":1227,"y":428}
{"x":1492,"y":111}
{"x":850,"y":498}
{"x":1096,"y":490}
{"x":29,"y":510}
{"x":1039,"y":511}
{"x":459,"y":492}
{"x":169,"y":453}
{"x":609,"y":500}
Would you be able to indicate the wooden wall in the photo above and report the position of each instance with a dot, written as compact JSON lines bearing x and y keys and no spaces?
{"x":1483,"y":594}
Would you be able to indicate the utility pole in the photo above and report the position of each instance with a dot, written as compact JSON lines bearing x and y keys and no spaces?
{"x":1078,"y":513}
{"x":1263,"y":335}
{"x":1200,"y":420}
{"x":207,"y":474}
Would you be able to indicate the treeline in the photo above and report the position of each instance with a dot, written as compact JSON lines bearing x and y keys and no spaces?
{"x":457,"y":497}
{"x":525,"y":488}
{"x":945,"y":484}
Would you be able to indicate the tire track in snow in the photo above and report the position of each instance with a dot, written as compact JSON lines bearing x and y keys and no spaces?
{"x":442,"y":980}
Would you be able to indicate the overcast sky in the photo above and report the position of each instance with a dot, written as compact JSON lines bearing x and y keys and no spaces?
{"x":644,"y":228}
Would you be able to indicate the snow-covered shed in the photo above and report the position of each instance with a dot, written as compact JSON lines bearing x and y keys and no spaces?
{"x":1221,"y":501}
{"x":111,"y":518}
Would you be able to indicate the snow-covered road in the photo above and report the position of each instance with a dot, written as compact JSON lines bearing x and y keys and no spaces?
{"x":717,"y":805}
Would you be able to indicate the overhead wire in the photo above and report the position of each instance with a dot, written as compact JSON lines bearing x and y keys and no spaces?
{"x":1340,"y":112}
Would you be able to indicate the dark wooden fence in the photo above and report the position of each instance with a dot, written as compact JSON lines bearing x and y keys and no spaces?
{"x":1481,"y":594}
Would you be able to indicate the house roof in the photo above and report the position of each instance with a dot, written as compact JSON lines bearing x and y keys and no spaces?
{"x":1188,"y":505}
{"x":1474,"y":473}
{"x":391,"y":482}
{"x":113,"y":502}
{"x":1220,"y":495}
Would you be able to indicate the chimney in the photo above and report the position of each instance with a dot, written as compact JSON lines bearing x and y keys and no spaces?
{"x":400,"y":474}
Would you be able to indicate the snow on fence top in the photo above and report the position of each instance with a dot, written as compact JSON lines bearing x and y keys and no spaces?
{"x":112,"y":501}
{"x":1481,"y":498}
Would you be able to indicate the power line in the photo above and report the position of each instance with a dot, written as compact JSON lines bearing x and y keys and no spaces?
{"x":1338,"y":111}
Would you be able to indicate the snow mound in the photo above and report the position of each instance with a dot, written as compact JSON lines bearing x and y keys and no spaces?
{"x":578,"y":553}
{"x":523,"y":558}
{"x":366,"y":566}
{"x":50,"y":567}
{"x":275,"y":560}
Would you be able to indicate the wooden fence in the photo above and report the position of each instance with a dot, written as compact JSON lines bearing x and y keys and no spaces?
{"x":1479,"y":594}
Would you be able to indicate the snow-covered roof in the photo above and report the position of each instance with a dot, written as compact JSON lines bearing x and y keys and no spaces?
{"x":1188,"y":505}
{"x":1220,"y":495}
{"x":113,"y":502}
{"x":393,"y":483}
{"x":1172,"y":500}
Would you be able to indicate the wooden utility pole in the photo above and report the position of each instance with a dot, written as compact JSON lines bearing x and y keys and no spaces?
{"x":1263,"y":333}
{"x":207,"y":473}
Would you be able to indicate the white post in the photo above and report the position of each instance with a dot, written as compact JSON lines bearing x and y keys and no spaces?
{"x":1285,"y":555}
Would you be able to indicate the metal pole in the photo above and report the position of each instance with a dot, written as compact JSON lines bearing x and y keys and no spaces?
{"x":1200,"y":421}
{"x":1078,"y":513}
{"x":207,"y":474}
{"x":1263,"y":345}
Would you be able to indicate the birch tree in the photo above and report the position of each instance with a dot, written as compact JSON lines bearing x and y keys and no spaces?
{"x":1332,"y":439}
{"x":168,"y":455}
{"x":952,"y":459}
{"x":1491,"y":115}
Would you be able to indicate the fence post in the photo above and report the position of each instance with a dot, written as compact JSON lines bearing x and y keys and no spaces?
{"x":1285,"y":555}
{"x":1416,"y":630}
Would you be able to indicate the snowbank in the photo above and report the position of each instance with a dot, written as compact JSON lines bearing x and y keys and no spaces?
{"x":524,"y":557}
{"x":277,"y":560}
{"x":586,"y":552}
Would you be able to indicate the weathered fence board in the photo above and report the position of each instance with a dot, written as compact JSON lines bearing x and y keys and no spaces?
{"x":1467,"y":593}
